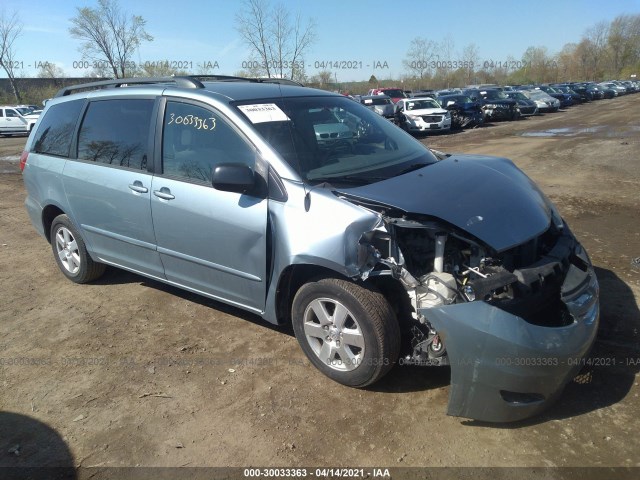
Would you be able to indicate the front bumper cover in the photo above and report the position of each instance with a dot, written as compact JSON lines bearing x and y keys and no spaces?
{"x":504,"y":368}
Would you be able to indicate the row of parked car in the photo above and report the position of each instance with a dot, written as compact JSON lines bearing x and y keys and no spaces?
{"x":18,"y":119}
{"x":470,"y":107}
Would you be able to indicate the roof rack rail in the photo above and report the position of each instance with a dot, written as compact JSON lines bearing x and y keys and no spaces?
{"x":187,"y":82}
{"x":283,"y":81}
{"x":230,"y":78}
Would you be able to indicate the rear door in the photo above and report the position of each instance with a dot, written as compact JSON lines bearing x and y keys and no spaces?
{"x":108,"y":186}
{"x":210,"y":241}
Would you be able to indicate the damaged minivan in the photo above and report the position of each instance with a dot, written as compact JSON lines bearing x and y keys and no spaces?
{"x":303,"y":206}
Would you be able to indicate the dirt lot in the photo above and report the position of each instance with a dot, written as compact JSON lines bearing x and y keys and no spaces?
{"x":132,"y":372}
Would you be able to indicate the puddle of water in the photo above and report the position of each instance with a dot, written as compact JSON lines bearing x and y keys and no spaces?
{"x":563,"y":132}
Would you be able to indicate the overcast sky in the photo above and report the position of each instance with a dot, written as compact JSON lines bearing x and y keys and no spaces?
{"x":353,"y":32}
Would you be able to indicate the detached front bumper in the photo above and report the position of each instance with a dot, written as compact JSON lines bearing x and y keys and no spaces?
{"x":504,"y":368}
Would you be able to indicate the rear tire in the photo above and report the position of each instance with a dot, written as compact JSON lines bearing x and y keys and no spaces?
{"x":70,"y":252}
{"x":347,"y":330}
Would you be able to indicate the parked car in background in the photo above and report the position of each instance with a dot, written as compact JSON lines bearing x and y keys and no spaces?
{"x":584,"y":91}
{"x":566,"y":100}
{"x":394,"y":93}
{"x":615,"y":87}
{"x":422,"y":115}
{"x":594,"y":91}
{"x":496,"y":105}
{"x":625,"y":85}
{"x":465,"y":113}
{"x":423,"y":93}
{"x":544,"y":102}
{"x":578,"y":93}
{"x":16,"y":120}
{"x":448,"y":91}
{"x":381,"y":104}
{"x":331,"y":130}
{"x":526,"y":106}
{"x":607,"y":91}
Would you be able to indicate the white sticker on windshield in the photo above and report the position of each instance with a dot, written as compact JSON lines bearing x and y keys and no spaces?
{"x":264,"y":112}
{"x":367,"y":101}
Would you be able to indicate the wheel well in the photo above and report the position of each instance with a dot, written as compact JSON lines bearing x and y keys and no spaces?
{"x":291,"y":279}
{"x":295,"y":276}
{"x":49,"y":213}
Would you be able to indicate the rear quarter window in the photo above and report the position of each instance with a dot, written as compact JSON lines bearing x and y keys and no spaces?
{"x":116,"y":132}
{"x":56,"y":129}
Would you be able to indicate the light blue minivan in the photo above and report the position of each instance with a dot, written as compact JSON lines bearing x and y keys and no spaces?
{"x":304,"y":206}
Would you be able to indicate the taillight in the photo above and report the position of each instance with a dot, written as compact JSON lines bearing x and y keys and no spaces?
{"x":23,"y":160}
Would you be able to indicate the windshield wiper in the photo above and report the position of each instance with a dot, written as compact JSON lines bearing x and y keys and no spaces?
{"x":352,"y":179}
{"x":411,"y":168}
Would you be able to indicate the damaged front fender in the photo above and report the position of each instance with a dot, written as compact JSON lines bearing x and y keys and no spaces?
{"x":505,"y":369}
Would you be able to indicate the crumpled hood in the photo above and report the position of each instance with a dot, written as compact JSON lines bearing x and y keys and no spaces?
{"x":488,"y":197}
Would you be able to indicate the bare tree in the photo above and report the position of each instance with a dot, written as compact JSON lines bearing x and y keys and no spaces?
{"x":597,"y":37}
{"x":322,"y":78}
{"x":110,"y":36}
{"x":50,"y":70}
{"x":10,"y":30}
{"x":567,"y":63}
{"x":445,"y":67}
{"x":540,"y":64}
{"x":623,"y":42}
{"x":277,"y":43}
{"x":420,"y":57}
{"x":471,"y":57}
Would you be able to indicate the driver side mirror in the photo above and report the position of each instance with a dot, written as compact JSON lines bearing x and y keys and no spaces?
{"x":233,"y":177}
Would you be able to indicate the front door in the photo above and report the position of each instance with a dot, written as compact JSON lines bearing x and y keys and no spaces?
{"x":210,"y":241}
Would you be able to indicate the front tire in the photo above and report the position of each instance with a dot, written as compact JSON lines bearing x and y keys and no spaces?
{"x":70,"y":252}
{"x":347,"y":330}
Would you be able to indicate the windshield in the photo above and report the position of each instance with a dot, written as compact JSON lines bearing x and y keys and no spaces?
{"x":459,"y":99}
{"x":377,"y":101}
{"x":538,"y":94}
{"x":23,"y":110}
{"x":493,"y":95}
{"x":517,"y":95}
{"x":421,"y":104}
{"x":333,"y":139}
{"x":394,"y":93}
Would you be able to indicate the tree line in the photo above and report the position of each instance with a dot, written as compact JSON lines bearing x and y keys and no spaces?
{"x":607,"y":50}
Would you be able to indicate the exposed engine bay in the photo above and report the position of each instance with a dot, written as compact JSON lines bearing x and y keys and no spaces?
{"x":440,"y":265}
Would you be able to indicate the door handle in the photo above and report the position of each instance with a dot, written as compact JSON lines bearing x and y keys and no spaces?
{"x":164,"y":193}
{"x":138,"y":187}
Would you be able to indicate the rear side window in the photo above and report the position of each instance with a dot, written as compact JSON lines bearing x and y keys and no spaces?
{"x":56,"y":129}
{"x":116,"y":132}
